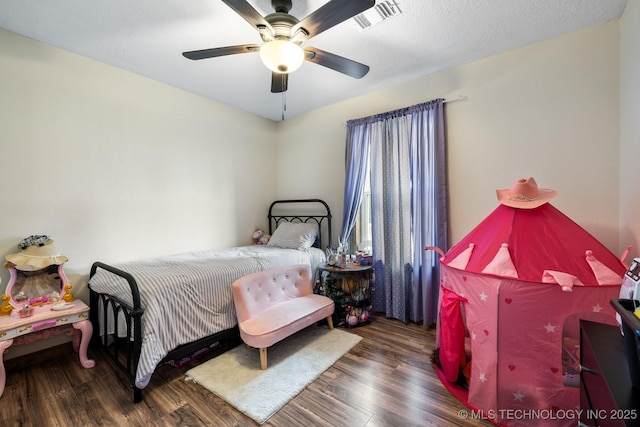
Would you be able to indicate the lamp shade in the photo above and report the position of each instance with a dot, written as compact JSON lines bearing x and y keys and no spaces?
{"x":282,"y":56}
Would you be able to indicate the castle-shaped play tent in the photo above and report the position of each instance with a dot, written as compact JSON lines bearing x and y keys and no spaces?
{"x":512,"y":294}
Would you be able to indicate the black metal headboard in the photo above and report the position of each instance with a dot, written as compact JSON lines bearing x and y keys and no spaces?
{"x":303,"y":210}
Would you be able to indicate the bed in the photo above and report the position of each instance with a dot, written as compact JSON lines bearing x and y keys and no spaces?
{"x":152,"y":311}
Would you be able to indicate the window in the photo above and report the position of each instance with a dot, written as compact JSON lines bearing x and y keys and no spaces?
{"x":360,"y":237}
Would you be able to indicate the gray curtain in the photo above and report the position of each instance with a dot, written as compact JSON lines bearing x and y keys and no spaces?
{"x":429,"y":206}
{"x":409,"y":206}
{"x":356,"y":167}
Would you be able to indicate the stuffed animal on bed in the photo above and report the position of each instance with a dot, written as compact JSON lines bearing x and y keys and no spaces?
{"x":260,"y":237}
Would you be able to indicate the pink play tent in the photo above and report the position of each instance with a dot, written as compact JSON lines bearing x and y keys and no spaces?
{"x":513,"y":292}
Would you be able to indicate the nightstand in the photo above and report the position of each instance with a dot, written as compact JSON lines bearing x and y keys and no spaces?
{"x":350,"y":289}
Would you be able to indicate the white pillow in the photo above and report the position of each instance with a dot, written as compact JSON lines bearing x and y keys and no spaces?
{"x":294,"y":235}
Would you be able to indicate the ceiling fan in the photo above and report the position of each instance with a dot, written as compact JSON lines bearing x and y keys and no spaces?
{"x":283,"y":34}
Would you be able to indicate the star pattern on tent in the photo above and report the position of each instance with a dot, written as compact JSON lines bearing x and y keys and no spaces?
{"x":550,"y":328}
{"x":597,"y":308}
{"x":473,"y":336}
{"x":482,"y":378}
{"x":483,"y":296}
{"x":518,"y":396}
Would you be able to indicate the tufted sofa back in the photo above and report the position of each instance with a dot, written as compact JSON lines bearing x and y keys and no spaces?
{"x":258,"y":291}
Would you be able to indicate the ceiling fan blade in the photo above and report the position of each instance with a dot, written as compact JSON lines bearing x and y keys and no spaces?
{"x":331,"y":14}
{"x":279,"y":82}
{"x":221,"y":51}
{"x":252,"y":16}
{"x":335,"y":62}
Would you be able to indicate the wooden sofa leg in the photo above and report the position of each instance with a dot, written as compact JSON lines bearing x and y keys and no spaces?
{"x":330,"y":321}
{"x":263,"y":358}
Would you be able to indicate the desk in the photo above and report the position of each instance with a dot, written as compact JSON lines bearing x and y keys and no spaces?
{"x":607,"y":397}
{"x":350,"y":289}
{"x":46,"y":323}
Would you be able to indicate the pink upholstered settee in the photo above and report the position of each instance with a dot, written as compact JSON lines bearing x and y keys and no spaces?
{"x":274,"y":304}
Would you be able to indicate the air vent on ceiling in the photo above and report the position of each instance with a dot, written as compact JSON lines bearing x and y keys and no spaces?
{"x":382,"y":11}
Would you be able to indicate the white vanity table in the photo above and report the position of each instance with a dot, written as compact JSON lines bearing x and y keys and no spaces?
{"x":52,"y":311}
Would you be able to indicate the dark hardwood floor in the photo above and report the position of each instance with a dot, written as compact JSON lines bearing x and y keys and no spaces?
{"x":385,"y":380}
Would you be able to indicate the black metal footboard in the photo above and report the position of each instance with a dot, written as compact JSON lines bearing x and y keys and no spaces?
{"x":124,"y":351}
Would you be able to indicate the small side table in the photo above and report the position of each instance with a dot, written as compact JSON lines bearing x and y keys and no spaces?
{"x":350,"y":289}
{"x":46,"y":323}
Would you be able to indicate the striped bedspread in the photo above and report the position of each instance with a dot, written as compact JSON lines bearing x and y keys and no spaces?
{"x":188,"y":296}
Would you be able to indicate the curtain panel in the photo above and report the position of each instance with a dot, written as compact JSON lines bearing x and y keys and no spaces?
{"x":357,"y":167}
{"x":405,"y":150}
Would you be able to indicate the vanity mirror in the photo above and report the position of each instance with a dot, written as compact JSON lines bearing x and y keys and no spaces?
{"x":36,"y":273}
{"x":34,"y":287}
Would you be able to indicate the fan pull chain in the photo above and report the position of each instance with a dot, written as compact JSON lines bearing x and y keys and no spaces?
{"x":284,"y":98}
{"x":284,"y":105}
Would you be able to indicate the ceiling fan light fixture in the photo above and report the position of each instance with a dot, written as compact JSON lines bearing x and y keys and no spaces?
{"x":282,"y":56}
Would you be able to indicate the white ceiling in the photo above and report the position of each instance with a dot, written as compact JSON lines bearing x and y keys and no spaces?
{"x":147,"y":37}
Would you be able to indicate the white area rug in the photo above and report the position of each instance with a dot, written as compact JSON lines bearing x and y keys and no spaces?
{"x":293,"y":364}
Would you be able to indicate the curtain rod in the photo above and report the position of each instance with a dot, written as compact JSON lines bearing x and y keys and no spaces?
{"x":446,"y":101}
{"x":457,"y":98}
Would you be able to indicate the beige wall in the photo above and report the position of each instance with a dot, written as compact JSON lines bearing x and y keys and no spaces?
{"x":116,"y":167}
{"x":630,"y":127}
{"x":97,"y":156}
{"x":548,"y":110}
